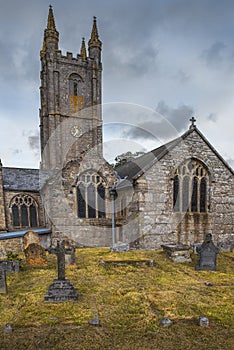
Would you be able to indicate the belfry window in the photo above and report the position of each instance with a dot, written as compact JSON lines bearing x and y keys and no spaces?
{"x":75,"y":93}
{"x":75,"y":85}
{"x":24,"y":210}
{"x":190,"y":186}
{"x":90,"y":196}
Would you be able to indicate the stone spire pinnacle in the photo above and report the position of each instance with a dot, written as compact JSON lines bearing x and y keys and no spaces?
{"x":94,"y":40}
{"x":51,"y":36}
{"x":51,"y":22}
{"x":83,"y":50}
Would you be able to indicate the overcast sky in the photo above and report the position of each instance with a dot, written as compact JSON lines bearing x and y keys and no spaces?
{"x":175,"y":57}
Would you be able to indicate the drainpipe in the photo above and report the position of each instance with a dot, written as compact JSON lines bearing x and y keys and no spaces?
{"x":113,"y":195}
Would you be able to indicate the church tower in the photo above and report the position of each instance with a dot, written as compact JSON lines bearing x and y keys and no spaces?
{"x":71,"y":96}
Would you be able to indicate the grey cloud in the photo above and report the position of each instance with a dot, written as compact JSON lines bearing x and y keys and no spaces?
{"x":214,"y":55}
{"x":182,"y":77}
{"x":33,"y":140}
{"x":168,"y":123}
{"x":131,"y":63}
{"x":212,"y":117}
{"x":17,"y":151}
{"x":178,"y":116}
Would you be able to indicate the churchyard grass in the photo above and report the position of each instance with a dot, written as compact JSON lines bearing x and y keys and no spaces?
{"x":129,"y":301}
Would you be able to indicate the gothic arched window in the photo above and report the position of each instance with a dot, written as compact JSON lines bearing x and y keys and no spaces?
{"x":190,"y":186}
{"x":90,"y":196}
{"x":75,"y":85}
{"x":24,"y":211}
{"x":75,"y":92}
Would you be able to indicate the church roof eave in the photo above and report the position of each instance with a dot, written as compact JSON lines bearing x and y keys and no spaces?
{"x":135,"y":169}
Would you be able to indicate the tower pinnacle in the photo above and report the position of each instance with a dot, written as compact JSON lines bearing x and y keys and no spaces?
{"x":51,"y":22}
{"x":94,"y":40}
{"x":51,"y":36}
{"x":83,"y":50}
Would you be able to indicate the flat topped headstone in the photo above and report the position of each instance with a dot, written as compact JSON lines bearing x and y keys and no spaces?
{"x":61,"y":289}
{"x":3,"y":283}
{"x":207,"y":254}
{"x":177,"y":252}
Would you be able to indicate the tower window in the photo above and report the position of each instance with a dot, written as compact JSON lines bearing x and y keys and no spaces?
{"x":90,"y":196}
{"x":190,"y":187}
{"x":75,"y":85}
{"x":75,"y":92}
{"x":24,"y":211}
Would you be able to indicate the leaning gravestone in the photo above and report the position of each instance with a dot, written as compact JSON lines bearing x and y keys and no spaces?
{"x":207,"y":254}
{"x":29,"y":238}
{"x":35,"y":255}
{"x":3,"y":283}
{"x":61,"y":289}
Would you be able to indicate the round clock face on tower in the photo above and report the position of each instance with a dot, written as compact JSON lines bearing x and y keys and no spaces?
{"x":76,"y":131}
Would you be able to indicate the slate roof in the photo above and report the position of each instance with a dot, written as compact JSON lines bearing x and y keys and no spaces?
{"x":136,"y":167}
{"x":20,"y":179}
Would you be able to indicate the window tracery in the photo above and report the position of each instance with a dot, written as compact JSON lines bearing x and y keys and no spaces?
{"x":90,"y":196}
{"x":24,"y":210}
{"x":190,"y":187}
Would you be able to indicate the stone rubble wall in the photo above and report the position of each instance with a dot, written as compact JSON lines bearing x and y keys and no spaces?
{"x":157,"y":224}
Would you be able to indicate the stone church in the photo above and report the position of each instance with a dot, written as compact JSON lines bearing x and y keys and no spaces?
{"x":176,"y":193}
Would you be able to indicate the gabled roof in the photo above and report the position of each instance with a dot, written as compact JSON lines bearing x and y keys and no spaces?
{"x":136,"y":167}
{"x":20,"y":179}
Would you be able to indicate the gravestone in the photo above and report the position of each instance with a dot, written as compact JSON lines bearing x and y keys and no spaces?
{"x":70,"y":252}
{"x":35,"y":255}
{"x":207,"y":254}
{"x":29,"y":238}
{"x":10,"y":266}
{"x":177,"y":252}
{"x":61,"y":289}
{"x":3,"y":283}
{"x":203,"y":321}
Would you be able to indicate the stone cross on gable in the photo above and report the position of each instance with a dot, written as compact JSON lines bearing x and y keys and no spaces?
{"x":60,"y":250}
{"x":193,"y":121}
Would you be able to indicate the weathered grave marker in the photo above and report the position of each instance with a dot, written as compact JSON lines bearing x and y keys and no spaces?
{"x":35,"y":255}
{"x":29,"y":238}
{"x":61,"y":289}
{"x":3,"y":283}
{"x":207,"y":254}
{"x":10,"y":266}
{"x":70,"y":253}
{"x":177,"y":252}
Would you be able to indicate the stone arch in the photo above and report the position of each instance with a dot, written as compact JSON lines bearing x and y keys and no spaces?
{"x":91,"y":195}
{"x":24,"y":211}
{"x":190,"y":186}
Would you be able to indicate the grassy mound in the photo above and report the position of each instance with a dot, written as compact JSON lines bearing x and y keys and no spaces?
{"x":129,"y":301}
